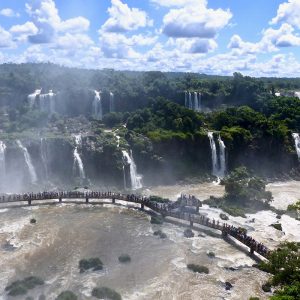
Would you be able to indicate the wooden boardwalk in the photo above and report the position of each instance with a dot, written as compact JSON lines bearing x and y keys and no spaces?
{"x":165,"y":209}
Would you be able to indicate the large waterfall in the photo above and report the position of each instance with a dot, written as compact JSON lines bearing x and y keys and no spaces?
{"x":28,"y":162}
{"x":297,"y":143}
{"x":111,"y":102}
{"x":77,"y":158}
{"x":2,"y":160}
{"x":47,"y":102}
{"x":218,"y":157}
{"x":193,"y":103}
{"x":97,"y":106}
{"x":135,"y":178}
{"x":44,"y":155}
{"x":32,"y":97}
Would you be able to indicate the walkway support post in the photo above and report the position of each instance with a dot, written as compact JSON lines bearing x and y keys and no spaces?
{"x":60,"y":199}
{"x":113,"y":200}
{"x":86,"y":199}
{"x":142,"y":206}
{"x":29,"y":202}
{"x":197,"y":209}
{"x":191,"y":223}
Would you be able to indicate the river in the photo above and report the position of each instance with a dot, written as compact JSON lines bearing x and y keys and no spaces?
{"x":66,"y":233}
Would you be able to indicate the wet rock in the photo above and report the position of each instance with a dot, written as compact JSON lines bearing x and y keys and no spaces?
{"x":106,"y":293}
{"x":124,"y":258}
{"x":156,"y":220}
{"x":95,"y":264}
{"x":198,"y":269}
{"x":66,"y":295}
{"x":224,"y":217}
{"x":211,"y":254}
{"x":277,"y":226}
{"x":266,"y":287}
{"x":161,"y":234}
{"x":201,"y":235}
{"x":228,"y":286}
{"x":188,"y":233}
{"x":32,"y":221}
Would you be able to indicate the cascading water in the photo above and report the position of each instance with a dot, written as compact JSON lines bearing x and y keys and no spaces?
{"x":196,"y":103}
{"x":44,"y":155}
{"x":199,"y":102}
{"x":185,"y":99}
{"x":77,"y":159}
{"x":47,"y":102}
{"x":2,"y":159}
{"x":297,"y":143}
{"x":135,"y":178}
{"x":32,"y":97}
{"x":222,"y":148}
{"x":218,"y":162}
{"x":297,"y":94}
{"x":190,"y":101}
{"x":111,"y":102}
{"x":213,"y":153}
{"x":97,"y":106}
{"x":28,"y":161}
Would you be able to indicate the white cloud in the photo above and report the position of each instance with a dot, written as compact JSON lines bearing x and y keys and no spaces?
{"x":271,"y":41}
{"x":5,"y":39}
{"x":195,"y":20}
{"x":46,"y":18}
{"x":177,"y":3}
{"x":78,"y":24}
{"x":117,"y":45}
{"x":73,"y":41}
{"x":288,"y":12}
{"x":194,"y":45}
{"x":122,"y":18}
{"x":8,"y":12}
{"x":21,"y":32}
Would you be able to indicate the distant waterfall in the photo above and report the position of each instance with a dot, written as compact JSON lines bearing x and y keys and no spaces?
{"x":199,"y":102}
{"x":196,"y":103}
{"x":32,"y":97}
{"x":97,"y":106}
{"x":47,"y":102}
{"x":297,"y":143}
{"x":2,"y":159}
{"x":190,"y":101}
{"x":185,"y":99}
{"x":297,"y":94}
{"x":77,"y":159}
{"x":136,"y":179}
{"x":44,"y":156}
{"x":28,"y":162}
{"x":111,"y":102}
{"x":218,"y":159}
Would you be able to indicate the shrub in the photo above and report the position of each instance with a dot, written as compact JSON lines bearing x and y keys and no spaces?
{"x":93,"y":263}
{"x":156,"y":220}
{"x":124,"y":258}
{"x":20,"y":287}
{"x":277,"y":226}
{"x":198,"y":269}
{"x":106,"y":293}
{"x":66,"y":295}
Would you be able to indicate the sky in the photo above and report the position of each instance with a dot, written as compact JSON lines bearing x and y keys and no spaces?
{"x":254,"y":37}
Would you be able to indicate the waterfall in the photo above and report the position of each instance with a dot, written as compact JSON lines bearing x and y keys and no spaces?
{"x":222,"y":147}
{"x":28,"y":161}
{"x":77,"y":159}
{"x":2,"y":159}
{"x":97,"y":106}
{"x":196,"y":104}
{"x":218,"y":159}
{"x":136,"y":179}
{"x":297,"y":94}
{"x":32,"y":97}
{"x":185,"y":99}
{"x":199,"y":102}
{"x":47,"y":102}
{"x":213,"y":153}
{"x":297,"y":143}
{"x":44,"y":157}
{"x":190,"y":101}
{"x":111,"y":102}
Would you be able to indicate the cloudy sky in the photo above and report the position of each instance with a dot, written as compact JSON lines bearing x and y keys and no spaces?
{"x":254,"y":37}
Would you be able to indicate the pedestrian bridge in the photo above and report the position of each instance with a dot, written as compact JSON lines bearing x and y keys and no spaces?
{"x":165,"y":209}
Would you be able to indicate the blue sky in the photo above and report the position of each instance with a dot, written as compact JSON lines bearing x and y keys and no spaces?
{"x":254,"y":37}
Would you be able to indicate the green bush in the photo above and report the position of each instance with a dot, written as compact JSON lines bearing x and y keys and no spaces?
{"x":198,"y":269}
{"x":106,"y":293}
{"x":66,"y":295}
{"x":124,"y":258}
{"x":277,"y":226}
{"x":20,"y":287}
{"x":93,"y":263}
{"x":156,"y":220}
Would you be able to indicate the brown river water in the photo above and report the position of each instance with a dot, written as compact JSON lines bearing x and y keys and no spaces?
{"x":66,"y":233}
